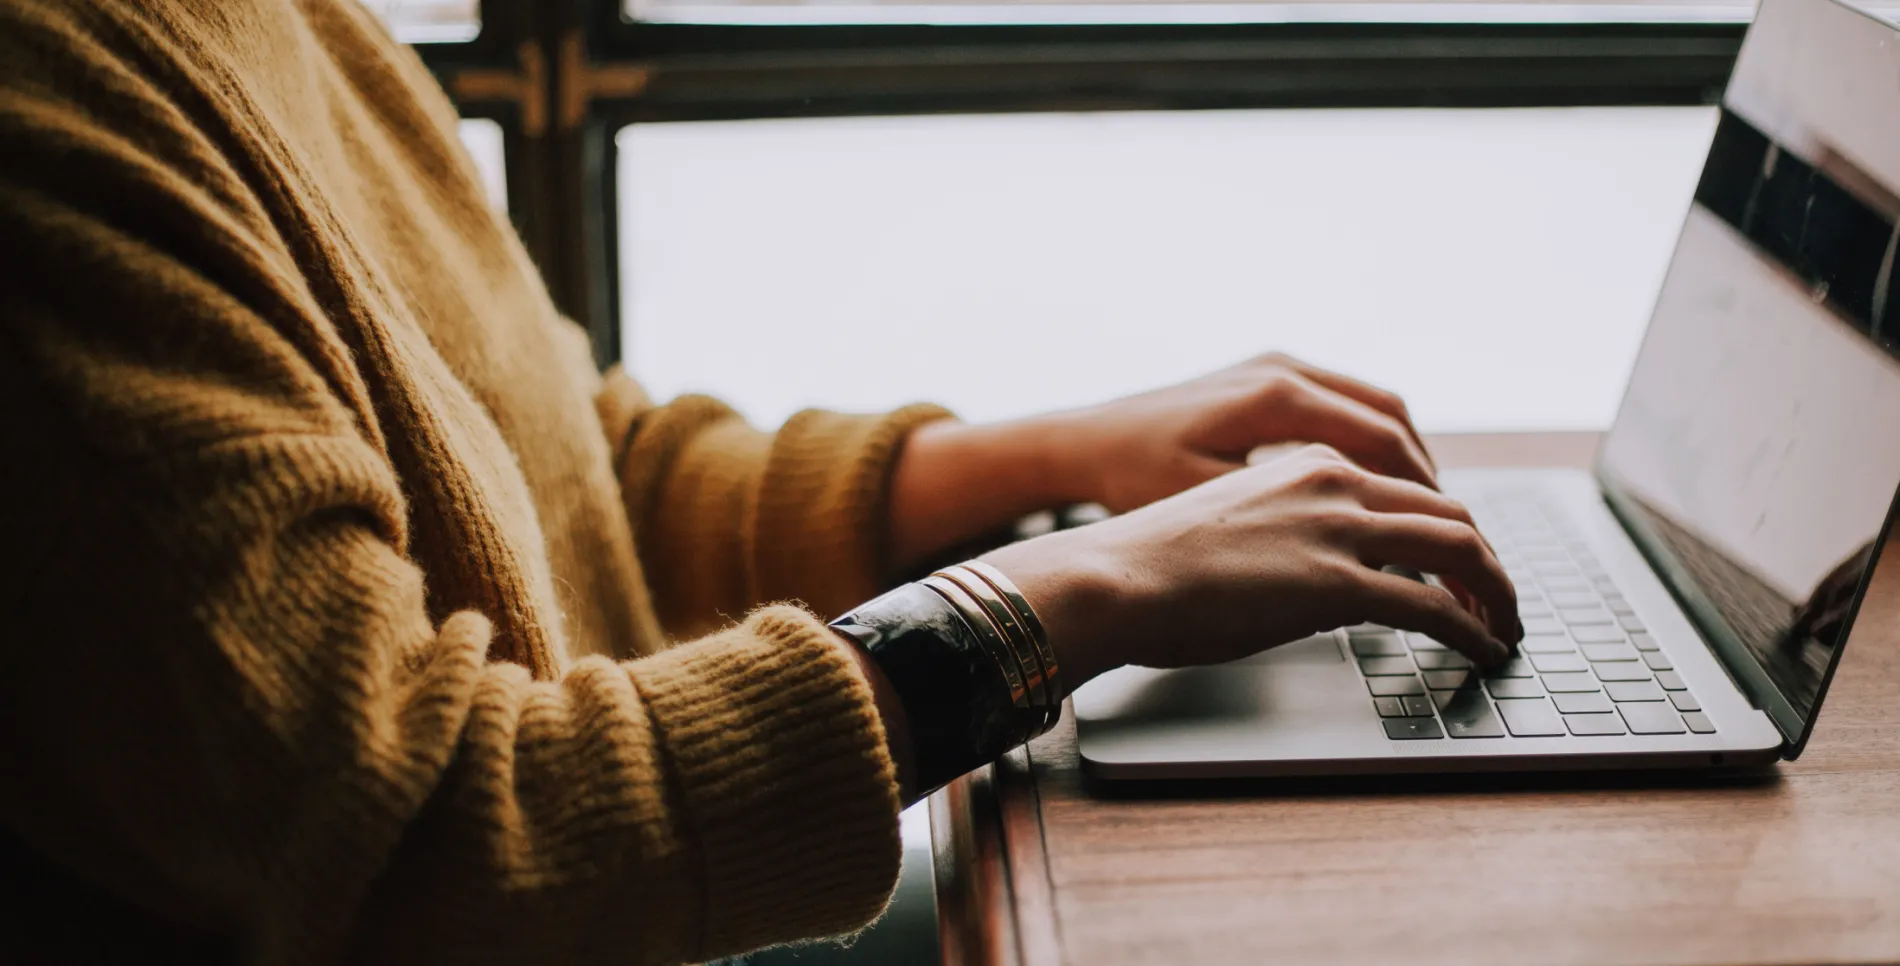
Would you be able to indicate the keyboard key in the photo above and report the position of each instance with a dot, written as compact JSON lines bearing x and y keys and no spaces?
{"x":1450,"y":680}
{"x":1389,"y":707}
{"x":1484,"y":725}
{"x":1587,"y":702}
{"x":1574,"y":598}
{"x":1555,"y":568}
{"x":1596,"y":634}
{"x":1533,"y":608}
{"x":1644,"y":642}
{"x":1546,"y":551}
{"x":1402,"y":729}
{"x":1595,"y":724}
{"x":1684,"y":701}
{"x":1468,"y":715}
{"x":1385,"y":666}
{"x":1417,"y":705}
{"x":1618,"y":605}
{"x":1549,"y":663}
{"x":1542,"y":625}
{"x":1397,"y":687}
{"x":1582,"y":616}
{"x":1699,"y":723}
{"x":1630,"y":623}
{"x":1441,"y":660}
{"x":1547,"y":645}
{"x":1376,"y":644}
{"x":1565,"y":582}
{"x":1516,"y":667}
{"x":1420,"y":642}
{"x":1576,"y":681}
{"x":1609,"y":652}
{"x":1621,"y":691}
{"x":1514,"y":688}
{"x":1622,"y":671}
{"x":1528,"y":718}
{"x":1657,"y":661}
{"x":1671,"y":681}
{"x":1652,"y":719}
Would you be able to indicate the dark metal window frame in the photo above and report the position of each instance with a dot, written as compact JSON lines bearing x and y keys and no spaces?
{"x":564,"y":76}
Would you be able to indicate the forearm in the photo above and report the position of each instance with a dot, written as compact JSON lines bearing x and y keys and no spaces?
{"x":957,"y":481}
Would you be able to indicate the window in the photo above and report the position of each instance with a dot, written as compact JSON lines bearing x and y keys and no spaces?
{"x":1071,"y":12}
{"x":1496,"y":267}
{"x":430,"y":21}
{"x":560,"y":91}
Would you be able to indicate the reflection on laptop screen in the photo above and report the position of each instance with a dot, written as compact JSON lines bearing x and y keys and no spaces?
{"x":1757,"y":452}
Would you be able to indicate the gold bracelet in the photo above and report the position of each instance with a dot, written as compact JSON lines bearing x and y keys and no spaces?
{"x":987,"y":632}
{"x":1040,"y":637}
{"x":1016,"y":633}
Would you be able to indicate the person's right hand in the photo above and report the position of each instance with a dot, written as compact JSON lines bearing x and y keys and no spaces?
{"x":1261,"y":556}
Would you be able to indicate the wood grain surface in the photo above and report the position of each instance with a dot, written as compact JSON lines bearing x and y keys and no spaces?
{"x":1800,"y":865}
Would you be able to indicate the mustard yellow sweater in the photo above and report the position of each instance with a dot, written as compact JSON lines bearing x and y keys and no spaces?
{"x":338,"y":585}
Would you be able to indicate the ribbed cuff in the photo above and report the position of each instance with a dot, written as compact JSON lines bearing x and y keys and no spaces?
{"x":784,"y":780}
{"x":618,"y":402}
{"x":823,"y":532}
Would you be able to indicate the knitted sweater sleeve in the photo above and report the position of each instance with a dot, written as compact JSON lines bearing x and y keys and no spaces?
{"x":227,"y":701}
{"x":729,"y":516}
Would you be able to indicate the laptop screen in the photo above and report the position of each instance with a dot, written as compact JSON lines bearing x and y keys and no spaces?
{"x":1757,"y":452}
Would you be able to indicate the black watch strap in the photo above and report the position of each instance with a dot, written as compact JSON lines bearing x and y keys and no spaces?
{"x":962,"y":714}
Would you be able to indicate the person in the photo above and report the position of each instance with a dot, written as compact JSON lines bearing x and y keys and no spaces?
{"x":353,"y":614}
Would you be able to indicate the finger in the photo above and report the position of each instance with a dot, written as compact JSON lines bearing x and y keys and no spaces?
{"x":1454,"y":550}
{"x":1383,"y":400}
{"x":1385,"y":494}
{"x":1409,"y":605}
{"x":1369,"y":437}
{"x":1269,"y":452}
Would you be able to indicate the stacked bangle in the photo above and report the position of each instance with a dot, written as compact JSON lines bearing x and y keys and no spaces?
{"x":969,"y":661}
{"x":1001,"y":615}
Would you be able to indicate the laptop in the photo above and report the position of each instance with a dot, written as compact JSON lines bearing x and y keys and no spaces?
{"x":1685,"y":603}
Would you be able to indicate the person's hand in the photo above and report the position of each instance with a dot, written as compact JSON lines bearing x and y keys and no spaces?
{"x":1261,"y":556}
{"x":1133,"y":451}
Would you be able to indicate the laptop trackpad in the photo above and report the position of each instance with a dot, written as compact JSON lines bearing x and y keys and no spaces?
{"x":1318,"y":649}
{"x":1298,"y":700}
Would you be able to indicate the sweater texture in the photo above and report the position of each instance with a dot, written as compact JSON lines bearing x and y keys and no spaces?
{"x":351,"y":613}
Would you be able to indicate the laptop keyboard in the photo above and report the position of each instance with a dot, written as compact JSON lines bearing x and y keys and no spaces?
{"x":1587,"y":666}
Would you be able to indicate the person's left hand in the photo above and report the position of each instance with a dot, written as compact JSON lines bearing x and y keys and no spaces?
{"x":1133,"y":451}
{"x":957,"y":480}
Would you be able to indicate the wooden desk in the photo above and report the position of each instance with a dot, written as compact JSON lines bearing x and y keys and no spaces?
{"x":1032,"y":870}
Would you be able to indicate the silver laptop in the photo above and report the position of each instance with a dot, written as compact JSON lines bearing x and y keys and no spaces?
{"x":1686,"y":603}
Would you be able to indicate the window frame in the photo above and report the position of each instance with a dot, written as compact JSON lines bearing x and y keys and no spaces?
{"x":594,"y":72}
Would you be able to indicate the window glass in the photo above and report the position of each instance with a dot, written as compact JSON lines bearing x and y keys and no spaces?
{"x":482,"y":137}
{"x":430,"y":21}
{"x":1193,"y":11}
{"x":1496,"y":267}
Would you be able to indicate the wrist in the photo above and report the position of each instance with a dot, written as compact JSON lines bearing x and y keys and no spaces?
{"x":1065,"y":456}
{"x":1074,"y":594}
{"x":957,"y":481}
{"x":890,"y":710}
